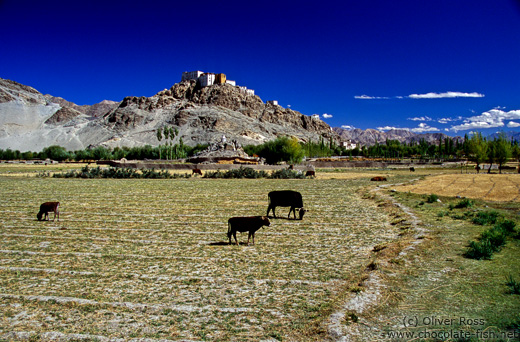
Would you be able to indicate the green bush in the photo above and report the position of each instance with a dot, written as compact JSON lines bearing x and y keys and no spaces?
{"x":479,"y":250}
{"x":247,"y":172}
{"x":432,"y":198}
{"x":121,"y":173}
{"x":514,"y":286}
{"x":464,"y":203}
{"x":486,"y":217}
{"x":286,"y":174}
{"x":496,"y":237}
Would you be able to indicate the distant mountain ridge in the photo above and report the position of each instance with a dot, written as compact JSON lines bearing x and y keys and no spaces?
{"x":371,"y":136}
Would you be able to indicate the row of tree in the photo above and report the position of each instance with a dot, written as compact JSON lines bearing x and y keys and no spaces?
{"x":288,"y":149}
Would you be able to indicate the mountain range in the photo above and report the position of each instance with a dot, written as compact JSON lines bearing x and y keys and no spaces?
{"x":31,"y":121}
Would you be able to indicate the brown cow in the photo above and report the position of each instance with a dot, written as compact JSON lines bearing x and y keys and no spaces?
{"x":45,"y":208}
{"x":310,"y":173}
{"x":196,"y":171}
{"x":378,"y":179}
{"x":246,"y":224}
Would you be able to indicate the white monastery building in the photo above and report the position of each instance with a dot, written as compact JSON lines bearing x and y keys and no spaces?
{"x":207,"y":79}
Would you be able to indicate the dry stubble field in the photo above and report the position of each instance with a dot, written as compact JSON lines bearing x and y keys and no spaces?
{"x":150,"y":259}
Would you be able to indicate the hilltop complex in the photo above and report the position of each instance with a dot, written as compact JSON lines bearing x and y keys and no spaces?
{"x":207,"y":79}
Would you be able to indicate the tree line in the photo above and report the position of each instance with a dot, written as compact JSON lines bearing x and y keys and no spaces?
{"x":496,"y":151}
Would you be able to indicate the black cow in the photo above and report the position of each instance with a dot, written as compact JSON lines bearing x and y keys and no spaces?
{"x":246,"y":224}
{"x":286,"y":198}
{"x":412,"y":169}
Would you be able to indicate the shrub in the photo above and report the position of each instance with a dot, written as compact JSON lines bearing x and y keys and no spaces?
{"x":486,"y":217}
{"x":432,"y":198}
{"x":514,"y":286}
{"x":286,"y":174}
{"x":508,"y":226}
{"x":479,"y":250}
{"x":496,"y":237}
{"x":464,"y":203}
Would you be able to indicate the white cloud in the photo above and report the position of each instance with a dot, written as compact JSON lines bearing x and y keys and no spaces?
{"x":421,"y":118}
{"x":449,"y":94}
{"x":424,"y":128}
{"x":490,"y":119}
{"x":327,"y":116}
{"x":513,"y":124}
{"x":366,"y":97}
{"x":348,"y":127}
{"x":389,"y":128}
{"x":446,"y":120}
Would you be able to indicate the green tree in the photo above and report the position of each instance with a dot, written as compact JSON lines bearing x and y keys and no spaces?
{"x":491,"y":154}
{"x":55,"y":152}
{"x":515,"y":151}
{"x":284,"y":148}
{"x":159,"y":137}
{"x":502,"y":150}
{"x":478,"y":149}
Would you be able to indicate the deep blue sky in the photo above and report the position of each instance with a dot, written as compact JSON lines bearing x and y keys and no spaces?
{"x":355,"y":63}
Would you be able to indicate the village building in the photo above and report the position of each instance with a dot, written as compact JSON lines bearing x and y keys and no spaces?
{"x":349,"y":145}
{"x":192,"y":75}
{"x":207,"y":79}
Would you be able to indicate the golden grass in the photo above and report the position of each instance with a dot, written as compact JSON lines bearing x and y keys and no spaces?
{"x":487,"y":187}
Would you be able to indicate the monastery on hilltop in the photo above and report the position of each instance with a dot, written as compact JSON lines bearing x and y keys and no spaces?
{"x":207,"y":79}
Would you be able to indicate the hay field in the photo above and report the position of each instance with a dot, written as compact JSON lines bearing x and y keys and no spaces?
{"x":133,"y":259}
{"x":487,"y":187}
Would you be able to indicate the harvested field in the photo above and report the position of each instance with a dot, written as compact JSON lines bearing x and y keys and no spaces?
{"x":150,"y":259}
{"x":487,"y":187}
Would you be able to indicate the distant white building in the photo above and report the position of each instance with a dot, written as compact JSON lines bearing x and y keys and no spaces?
{"x":315,"y":116}
{"x":233,"y":83}
{"x":207,"y":79}
{"x":273,"y":102}
{"x":191,"y":75}
{"x":349,"y":145}
{"x":246,"y":91}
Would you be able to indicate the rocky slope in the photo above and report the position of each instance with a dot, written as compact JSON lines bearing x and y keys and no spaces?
{"x":370,"y":137}
{"x":204,"y":115}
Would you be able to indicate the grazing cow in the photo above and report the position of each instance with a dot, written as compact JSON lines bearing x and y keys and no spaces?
{"x":246,"y":224}
{"x":412,"y":169}
{"x":310,"y":173}
{"x":378,"y":179}
{"x":286,"y":198}
{"x":45,"y":208}
{"x":196,"y":171}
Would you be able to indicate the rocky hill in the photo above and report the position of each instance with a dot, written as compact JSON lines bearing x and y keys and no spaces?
{"x":370,"y":136}
{"x":32,"y":121}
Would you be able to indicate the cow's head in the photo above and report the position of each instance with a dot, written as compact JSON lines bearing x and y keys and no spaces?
{"x":266,"y":221}
{"x":302,"y":212}
{"x":39,"y":216}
